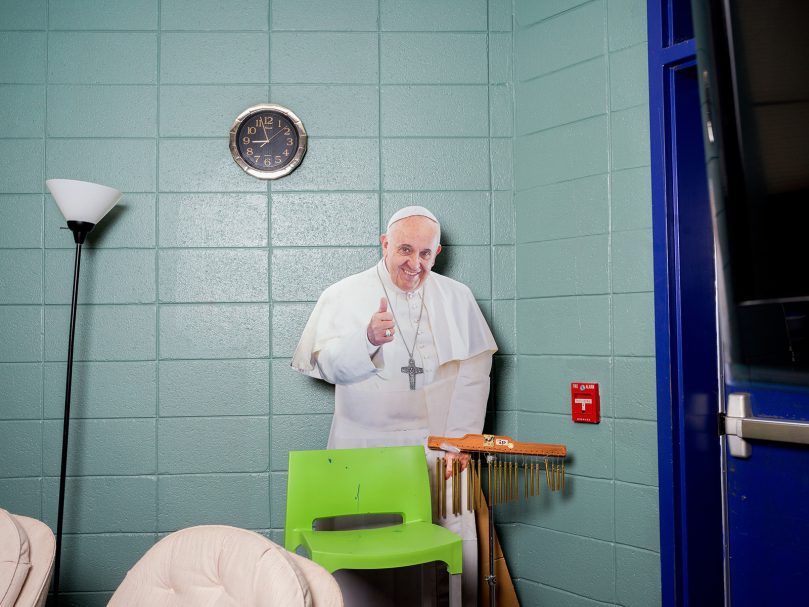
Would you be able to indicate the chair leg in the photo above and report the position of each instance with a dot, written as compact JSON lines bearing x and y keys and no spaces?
{"x":455,"y":590}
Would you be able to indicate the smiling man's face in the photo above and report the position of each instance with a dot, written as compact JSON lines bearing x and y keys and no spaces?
{"x":409,"y":250}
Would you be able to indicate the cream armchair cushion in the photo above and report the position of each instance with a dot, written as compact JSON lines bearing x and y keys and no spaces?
{"x":27,"y":551}
{"x":15,"y":559}
{"x":42,"y":548}
{"x":226,"y":567}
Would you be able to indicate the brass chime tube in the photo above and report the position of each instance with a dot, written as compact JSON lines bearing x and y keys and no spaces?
{"x":468,"y":489}
{"x":437,"y":473}
{"x":537,"y":485}
{"x":539,"y":480}
{"x":499,"y":482}
{"x":489,"y":470}
{"x":443,"y":488}
{"x":478,"y":494}
{"x":496,"y":471}
{"x":503,"y":483}
{"x":508,"y":482}
{"x":454,"y":488}
{"x":507,"y":488}
{"x":460,"y":488}
{"x":525,"y":478}
{"x":452,"y":485}
{"x":530,"y":481}
{"x":494,"y":481}
{"x":439,"y":478}
{"x":493,"y":487}
{"x":456,"y":494}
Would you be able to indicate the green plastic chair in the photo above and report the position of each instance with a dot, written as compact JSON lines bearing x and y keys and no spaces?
{"x":385,"y":480}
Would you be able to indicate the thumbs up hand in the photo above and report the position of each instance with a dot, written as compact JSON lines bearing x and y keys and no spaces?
{"x":381,"y":327}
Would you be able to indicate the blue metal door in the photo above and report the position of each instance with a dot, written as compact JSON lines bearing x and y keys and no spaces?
{"x":734,"y":530}
{"x":752,"y":61}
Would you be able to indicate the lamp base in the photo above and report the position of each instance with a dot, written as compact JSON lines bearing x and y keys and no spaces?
{"x":80,"y":230}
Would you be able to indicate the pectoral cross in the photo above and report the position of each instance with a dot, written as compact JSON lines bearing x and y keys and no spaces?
{"x":412,"y":370}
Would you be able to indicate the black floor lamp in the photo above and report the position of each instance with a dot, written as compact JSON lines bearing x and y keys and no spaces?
{"x":83,"y":204}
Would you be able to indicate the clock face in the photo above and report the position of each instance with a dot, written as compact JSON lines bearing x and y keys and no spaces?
{"x":268,"y":141}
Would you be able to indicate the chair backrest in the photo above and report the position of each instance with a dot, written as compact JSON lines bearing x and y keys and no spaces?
{"x":343,"y":482}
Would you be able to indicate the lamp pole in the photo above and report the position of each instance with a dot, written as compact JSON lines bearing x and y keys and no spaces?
{"x":80,"y":230}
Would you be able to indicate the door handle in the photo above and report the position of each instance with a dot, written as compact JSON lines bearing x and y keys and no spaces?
{"x":740,"y":425}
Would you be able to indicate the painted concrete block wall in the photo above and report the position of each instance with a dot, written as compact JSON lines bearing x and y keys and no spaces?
{"x":584,"y":301}
{"x":195,"y":288}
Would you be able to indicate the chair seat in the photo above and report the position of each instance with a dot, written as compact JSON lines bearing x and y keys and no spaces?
{"x":384,"y":547}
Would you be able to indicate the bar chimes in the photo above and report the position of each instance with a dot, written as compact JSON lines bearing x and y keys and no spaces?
{"x":505,"y":459}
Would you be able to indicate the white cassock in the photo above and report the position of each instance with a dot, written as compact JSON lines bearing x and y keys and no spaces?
{"x":374,"y":405}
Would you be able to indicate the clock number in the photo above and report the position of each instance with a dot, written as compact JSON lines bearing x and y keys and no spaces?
{"x":286,"y":131}
{"x":278,"y":159}
{"x":286,"y":152}
{"x":251,"y":130}
{"x":267,"y":161}
{"x":249,"y":151}
{"x":289,"y":141}
{"x":245,"y":140}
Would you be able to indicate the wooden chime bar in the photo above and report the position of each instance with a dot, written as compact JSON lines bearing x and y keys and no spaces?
{"x":491,"y":443}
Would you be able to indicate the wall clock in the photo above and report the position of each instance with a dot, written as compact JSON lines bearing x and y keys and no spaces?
{"x":268,"y":141}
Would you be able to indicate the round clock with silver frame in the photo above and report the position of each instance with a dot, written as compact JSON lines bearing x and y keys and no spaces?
{"x":268,"y":141}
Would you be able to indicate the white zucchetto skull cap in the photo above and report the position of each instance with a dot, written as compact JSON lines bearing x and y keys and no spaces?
{"x":412,"y":211}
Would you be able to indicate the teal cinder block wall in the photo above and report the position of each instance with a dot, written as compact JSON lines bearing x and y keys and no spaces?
{"x":195,"y":288}
{"x":522,"y":124}
{"x":584,"y":299}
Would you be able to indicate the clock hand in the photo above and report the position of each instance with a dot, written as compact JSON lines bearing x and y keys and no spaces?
{"x":265,"y":141}
{"x":274,"y":136}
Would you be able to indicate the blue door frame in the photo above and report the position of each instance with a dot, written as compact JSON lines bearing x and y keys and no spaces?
{"x":689,"y":453}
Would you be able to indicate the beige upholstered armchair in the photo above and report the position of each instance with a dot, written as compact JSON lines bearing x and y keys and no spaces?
{"x":27,"y":550}
{"x":226,"y":567}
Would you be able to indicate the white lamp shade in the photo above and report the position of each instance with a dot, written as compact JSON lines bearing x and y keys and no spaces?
{"x":82,"y":200}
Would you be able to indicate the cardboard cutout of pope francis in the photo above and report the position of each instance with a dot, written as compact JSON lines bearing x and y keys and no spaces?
{"x":410,"y":354}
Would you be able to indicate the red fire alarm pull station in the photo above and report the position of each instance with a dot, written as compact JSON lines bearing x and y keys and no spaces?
{"x":585,"y":403}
